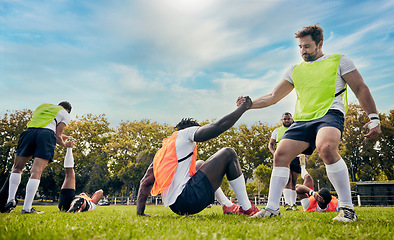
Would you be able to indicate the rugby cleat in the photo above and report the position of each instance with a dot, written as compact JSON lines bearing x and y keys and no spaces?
{"x":250,"y":211}
{"x":9,"y":206}
{"x":32,"y":210}
{"x":233,"y":209}
{"x":77,"y":205}
{"x":346,"y":214}
{"x":265,"y":212}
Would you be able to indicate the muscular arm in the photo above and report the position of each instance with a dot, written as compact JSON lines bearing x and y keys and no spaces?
{"x":279,"y":92}
{"x":146,"y":185}
{"x":361,"y":90}
{"x":61,"y":139}
{"x":213,"y":130}
{"x":271,"y":146}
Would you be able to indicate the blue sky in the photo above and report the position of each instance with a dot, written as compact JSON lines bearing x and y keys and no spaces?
{"x":167,"y":59}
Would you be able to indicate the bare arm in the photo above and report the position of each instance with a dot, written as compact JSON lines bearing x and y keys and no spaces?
{"x":271,"y":146}
{"x":213,"y":130}
{"x":361,"y":90}
{"x":61,"y":139}
{"x":280,"y":91}
{"x":146,"y":185}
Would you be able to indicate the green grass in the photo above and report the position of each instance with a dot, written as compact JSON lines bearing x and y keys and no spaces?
{"x":121,"y":222}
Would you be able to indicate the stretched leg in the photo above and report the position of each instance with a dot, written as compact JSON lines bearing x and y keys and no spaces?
{"x":38,"y":167}
{"x":225,"y":161}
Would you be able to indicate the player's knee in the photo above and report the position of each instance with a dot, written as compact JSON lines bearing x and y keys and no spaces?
{"x":326,"y":151}
{"x":230,"y":153}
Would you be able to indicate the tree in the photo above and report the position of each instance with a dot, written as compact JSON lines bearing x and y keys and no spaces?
{"x":262,"y":175}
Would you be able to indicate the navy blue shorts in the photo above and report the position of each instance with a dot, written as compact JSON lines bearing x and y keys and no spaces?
{"x":306,"y":131}
{"x":197,"y":195}
{"x":295,"y":165}
{"x":37,"y":142}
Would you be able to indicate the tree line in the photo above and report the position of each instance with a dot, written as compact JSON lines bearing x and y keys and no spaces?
{"x":115,"y":158}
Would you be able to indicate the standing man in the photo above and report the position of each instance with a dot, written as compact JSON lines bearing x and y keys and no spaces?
{"x":173,"y":170}
{"x":320,"y":83}
{"x":44,"y":130}
{"x":289,"y":191}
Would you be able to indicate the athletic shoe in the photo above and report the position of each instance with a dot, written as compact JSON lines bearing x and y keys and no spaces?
{"x":77,"y":205}
{"x":289,"y":208}
{"x":346,"y":214}
{"x":9,"y":206}
{"x":233,"y":209}
{"x":266,"y":212}
{"x":32,"y":210}
{"x":250,"y":211}
{"x":294,"y":208}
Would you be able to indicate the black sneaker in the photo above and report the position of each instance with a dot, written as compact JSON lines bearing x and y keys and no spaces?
{"x":76,"y":205}
{"x":9,"y":206}
{"x":346,"y":214}
{"x":32,"y":210}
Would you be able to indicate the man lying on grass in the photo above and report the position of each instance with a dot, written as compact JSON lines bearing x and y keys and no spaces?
{"x":173,"y":171}
{"x":70,"y":202}
{"x":312,"y":201}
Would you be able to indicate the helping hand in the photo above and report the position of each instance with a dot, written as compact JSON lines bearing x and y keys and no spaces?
{"x":373,"y":133}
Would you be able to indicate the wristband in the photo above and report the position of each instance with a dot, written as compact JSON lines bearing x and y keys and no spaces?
{"x":311,"y":192}
{"x":375,"y":121}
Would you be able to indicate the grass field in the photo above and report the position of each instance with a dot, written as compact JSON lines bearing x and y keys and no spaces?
{"x":121,"y":222}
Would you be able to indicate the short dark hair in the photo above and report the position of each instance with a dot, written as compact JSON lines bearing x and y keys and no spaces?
{"x":326,"y":195}
{"x":185,"y":123}
{"x":66,"y":105}
{"x":286,"y":114}
{"x":315,"y":31}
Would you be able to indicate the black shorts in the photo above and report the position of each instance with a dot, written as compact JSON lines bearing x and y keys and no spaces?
{"x":37,"y":142}
{"x":306,"y":131}
{"x":295,"y":165}
{"x":197,"y":195}
{"x":65,"y":199}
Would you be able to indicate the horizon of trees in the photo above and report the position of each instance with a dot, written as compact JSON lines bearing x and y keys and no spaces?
{"x":115,"y":158}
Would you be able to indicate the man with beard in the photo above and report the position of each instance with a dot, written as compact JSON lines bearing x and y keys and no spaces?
{"x":289,"y":191}
{"x":320,"y":83}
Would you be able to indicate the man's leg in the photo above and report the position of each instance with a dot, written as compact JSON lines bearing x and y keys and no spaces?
{"x":287,"y":150}
{"x":219,"y":194}
{"x":15,"y":180}
{"x":225,"y":161}
{"x":38,"y":167}
{"x":97,"y":196}
{"x":327,"y":143}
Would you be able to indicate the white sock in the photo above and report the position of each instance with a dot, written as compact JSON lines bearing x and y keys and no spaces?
{"x":338,"y":175}
{"x":303,"y":171}
{"x":239,"y":187}
{"x":222,"y":199}
{"x":293,"y":197}
{"x":31,"y":189}
{"x":287,"y":194}
{"x":279,"y":179}
{"x":15,"y":180}
{"x":69,"y":159}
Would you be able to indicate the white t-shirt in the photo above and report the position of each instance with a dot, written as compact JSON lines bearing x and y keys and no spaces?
{"x":62,"y":116}
{"x":184,"y":145}
{"x":274,"y":135}
{"x":345,"y":66}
